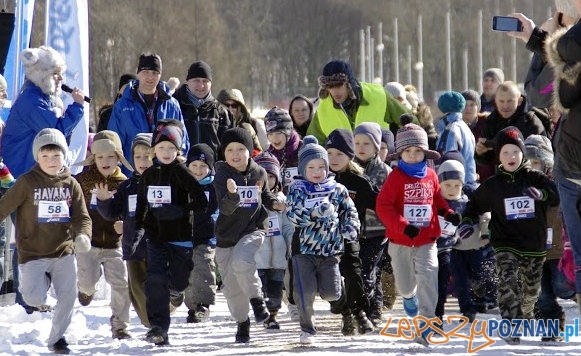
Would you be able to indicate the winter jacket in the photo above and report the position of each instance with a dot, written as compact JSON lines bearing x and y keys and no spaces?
{"x":288,"y":157}
{"x":104,"y":235}
{"x":527,"y":122}
{"x":241,"y":216}
{"x":129,"y":115}
{"x":277,"y":242}
{"x":364,"y":196}
{"x":514,"y":225}
{"x":324,"y":215}
{"x":455,"y":135}
{"x":372,"y":103}
{"x":203,"y":222}
{"x":167,"y":193}
{"x":49,"y":236}
{"x":122,"y":207}
{"x":563,"y":51}
{"x":31,"y":112}
{"x":204,"y":124}
{"x":403,"y":198}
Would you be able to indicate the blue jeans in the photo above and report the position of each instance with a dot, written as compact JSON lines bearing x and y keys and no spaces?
{"x":569,"y":195}
{"x":554,"y":285}
{"x":466,"y":266}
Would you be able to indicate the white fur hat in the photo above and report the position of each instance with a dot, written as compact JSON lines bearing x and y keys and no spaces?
{"x":39,"y":66}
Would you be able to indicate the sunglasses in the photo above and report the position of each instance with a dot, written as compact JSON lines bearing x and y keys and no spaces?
{"x":232,"y":105}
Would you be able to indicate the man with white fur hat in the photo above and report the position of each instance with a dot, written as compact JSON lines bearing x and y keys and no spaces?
{"x":38,"y":106}
{"x":50,"y":205}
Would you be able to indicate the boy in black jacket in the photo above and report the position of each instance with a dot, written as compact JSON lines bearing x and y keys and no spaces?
{"x":517,"y":197}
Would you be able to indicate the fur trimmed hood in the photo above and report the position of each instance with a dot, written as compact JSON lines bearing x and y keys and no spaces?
{"x":39,"y":66}
{"x":562,"y":70}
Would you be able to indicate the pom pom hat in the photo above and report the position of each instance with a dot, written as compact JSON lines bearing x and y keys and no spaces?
{"x":412,"y":135}
{"x":311,"y":150}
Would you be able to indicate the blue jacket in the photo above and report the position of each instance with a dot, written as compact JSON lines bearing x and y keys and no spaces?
{"x":129,"y":116}
{"x":30,"y":113}
{"x":455,"y":135}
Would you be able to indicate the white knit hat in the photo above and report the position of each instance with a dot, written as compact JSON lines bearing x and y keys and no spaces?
{"x":49,"y":137}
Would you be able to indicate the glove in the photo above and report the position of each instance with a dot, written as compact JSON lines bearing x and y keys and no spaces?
{"x":82,"y":243}
{"x":534,"y":193}
{"x":453,"y":218}
{"x":323,"y":210}
{"x":411,"y":231}
{"x":138,"y":237}
{"x":465,"y":230}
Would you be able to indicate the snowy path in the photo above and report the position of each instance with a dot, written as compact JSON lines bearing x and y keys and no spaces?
{"x":89,"y":334}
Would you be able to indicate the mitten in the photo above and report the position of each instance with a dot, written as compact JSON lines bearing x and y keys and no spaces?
{"x":453,"y":218}
{"x":534,"y":193}
{"x":6,"y":178}
{"x":323,"y":210}
{"x":349,"y":233}
{"x":82,"y":243}
{"x":411,"y":231}
{"x":465,"y":230}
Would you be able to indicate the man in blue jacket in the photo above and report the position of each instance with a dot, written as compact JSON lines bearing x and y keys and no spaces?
{"x":143,"y":102}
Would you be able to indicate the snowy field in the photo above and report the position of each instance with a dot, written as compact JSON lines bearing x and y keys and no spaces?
{"x":89,"y":334}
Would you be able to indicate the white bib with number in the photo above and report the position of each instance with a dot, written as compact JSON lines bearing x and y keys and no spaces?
{"x":448,"y":229}
{"x":519,"y":208}
{"x":288,"y":174}
{"x":273,"y":226}
{"x":248,"y":196}
{"x":159,"y":194}
{"x":93,"y":203}
{"x":316,"y":201}
{"x":131,"y":204}
{"x":418,"y":215}
{"x":53,"y":211}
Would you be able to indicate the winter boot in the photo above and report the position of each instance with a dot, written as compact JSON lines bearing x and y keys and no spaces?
{"x":243,"y":332}
{"x":348,"y":328}
{"x":410,"y":306}
{"x":259,"y":308}
{"x":271,"y":323}
{"x":364,"y":326}
{"x":389,"y":294}
{"x":60,"y":347}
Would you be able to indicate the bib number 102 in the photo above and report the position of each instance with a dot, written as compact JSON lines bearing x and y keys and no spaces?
{"x":519,"y":204}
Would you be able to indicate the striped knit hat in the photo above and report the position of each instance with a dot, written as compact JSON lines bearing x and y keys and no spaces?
{"x":412,"y":135}
{"x":270,"y":164}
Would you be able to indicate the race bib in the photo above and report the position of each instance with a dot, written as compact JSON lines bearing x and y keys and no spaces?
{"x":273,"y":226}
{"x":316,"y":201}
{"x":418,"y":215}
{"x":159,"y":194}
{"x":248,"y":196}
{"x":131,"y":204}
{"x":448,"y":229}
{"x":288,"y":175}
{"x":53,"y":211}
{"x":519,"y":208}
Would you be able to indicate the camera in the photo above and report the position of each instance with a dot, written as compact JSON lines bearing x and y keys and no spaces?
{"x":506,"y":23}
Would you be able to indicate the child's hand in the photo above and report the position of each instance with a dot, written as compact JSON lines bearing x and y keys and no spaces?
{"x":103,"y":192}
{"x":231,"y":185}
{"x":118,"y":226}
{"x":534,"y":193}
{"x":279,"y":206}
{"x":411,"y":231}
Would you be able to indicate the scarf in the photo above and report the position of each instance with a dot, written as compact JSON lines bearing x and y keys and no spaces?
{"x":416,"y":170}
{"x":196,"y":101}
{"x":290,"y":152}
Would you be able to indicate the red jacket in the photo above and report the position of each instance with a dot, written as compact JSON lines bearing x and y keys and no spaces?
{"x":422,"y":201}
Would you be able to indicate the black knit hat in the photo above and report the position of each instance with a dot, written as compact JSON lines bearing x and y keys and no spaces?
{"x":509,"y":135}
{"x":342,"y":140}
{"x":201,"y":152}
{"x":199,"y":69}
{"x":237,"y":134}
{"x":126,"y":78}
{"x":278,"y":120}
{"x":149,"y":61}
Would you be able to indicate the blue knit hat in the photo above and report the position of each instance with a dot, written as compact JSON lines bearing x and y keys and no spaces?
{"x":311,"y":150}
{"x":387,"y":137}
{"x":451,"y":101}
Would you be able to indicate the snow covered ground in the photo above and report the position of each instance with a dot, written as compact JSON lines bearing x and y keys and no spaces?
{"x":89,"y":334}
